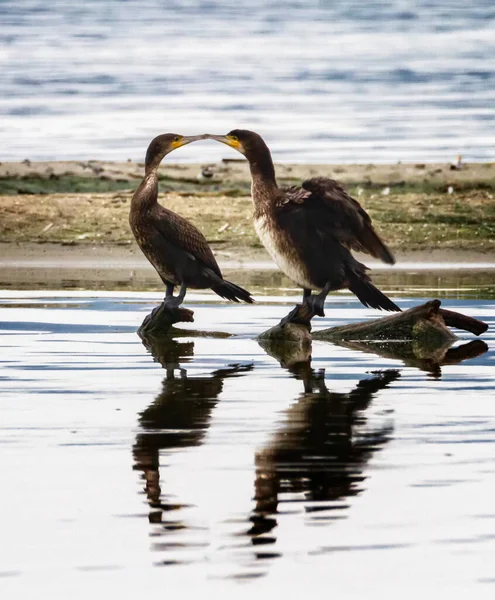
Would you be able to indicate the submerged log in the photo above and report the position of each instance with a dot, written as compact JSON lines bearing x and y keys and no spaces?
{"x":410,"y":352}
{"x":413,"y":354}
{"x":157,"y":332}
{"x":427,"y":325}
{"x":460,"y":321}
{"x":161,"y":319}
{"x":288,"y":353}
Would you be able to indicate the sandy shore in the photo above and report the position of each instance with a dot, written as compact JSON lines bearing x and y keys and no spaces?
{"x":427,"y":213}
{"x":128,"y":256}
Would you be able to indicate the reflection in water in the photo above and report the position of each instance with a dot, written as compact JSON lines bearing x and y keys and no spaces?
{"x":177,"y":418}
{"x":73,"y":378}
{"x":316,"y":459}
{"x":412,"y":354}
{"x":417,"y":282}
{"x":320,"y":452}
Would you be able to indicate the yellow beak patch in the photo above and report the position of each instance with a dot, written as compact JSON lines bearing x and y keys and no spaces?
{"x":234,"y":143}
{"x":178,"y":143}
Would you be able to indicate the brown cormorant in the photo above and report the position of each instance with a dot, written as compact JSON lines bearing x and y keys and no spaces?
{"x":178,"y":251}
{"x":310,"y":231}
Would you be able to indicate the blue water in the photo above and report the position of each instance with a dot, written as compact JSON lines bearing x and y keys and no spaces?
{"x":323,"y":81}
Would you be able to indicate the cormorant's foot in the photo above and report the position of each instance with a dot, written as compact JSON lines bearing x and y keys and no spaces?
{"x":289,"y":318}
{"x":300,"y":315}
{"x":172,"y":302}
{"x":316,"y":305}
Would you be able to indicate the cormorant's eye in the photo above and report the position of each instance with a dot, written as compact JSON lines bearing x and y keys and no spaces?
{"x":176,"y":138}
{"x":234,"y":138}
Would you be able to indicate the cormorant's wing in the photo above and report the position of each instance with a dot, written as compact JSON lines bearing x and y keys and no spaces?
{"x":340,"y":215}
{"x":184,"y":235}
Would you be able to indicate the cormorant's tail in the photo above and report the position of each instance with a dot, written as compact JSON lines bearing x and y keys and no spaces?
{"x":371,"y":296}
{"x":231,"y":291}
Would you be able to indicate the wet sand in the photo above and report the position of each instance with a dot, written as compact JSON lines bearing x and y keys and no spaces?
{"x":128,"y":256}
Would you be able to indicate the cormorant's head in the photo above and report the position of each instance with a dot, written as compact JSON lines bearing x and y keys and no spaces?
{"x":163,"y":145}
{"x":249,"y":143}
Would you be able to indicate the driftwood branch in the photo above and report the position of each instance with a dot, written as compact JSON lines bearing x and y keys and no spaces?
{"x":161,"y":320}
{"x":460,"y":321}
{"x":157,"y":332}
{"x":425,"y":325}
{"x":419,"y":337}
{"x":422,"y":323}
{"x":412,"y":354}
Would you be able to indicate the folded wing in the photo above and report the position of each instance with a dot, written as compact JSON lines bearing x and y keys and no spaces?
{"x":185,"y":236}
{"x":338,"y":215}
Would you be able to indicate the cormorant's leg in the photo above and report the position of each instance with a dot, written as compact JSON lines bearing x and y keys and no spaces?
{"x":169,"y":290}
{"x":176,"y":301}
{"x":317,"y":302}
{"x":182,"y":293}
{"x":294,"y":315}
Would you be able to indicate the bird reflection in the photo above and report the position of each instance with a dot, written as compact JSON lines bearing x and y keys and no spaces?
{"x":320,"y":452}
{"x":177,"y":418}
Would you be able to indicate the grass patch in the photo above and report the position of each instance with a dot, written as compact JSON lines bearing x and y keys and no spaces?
{"x":406,"y":221}
{"x":63,"y":184}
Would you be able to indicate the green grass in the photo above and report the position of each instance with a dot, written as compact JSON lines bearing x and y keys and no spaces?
{"x":66,"y":184}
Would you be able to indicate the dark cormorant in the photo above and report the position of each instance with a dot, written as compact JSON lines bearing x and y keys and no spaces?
{"x":310,"y":231}
{"x":178,"y":251}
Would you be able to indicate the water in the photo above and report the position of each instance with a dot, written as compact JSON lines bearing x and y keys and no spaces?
{"x":323,"y":81}
{"x":203,"y":464}
{"x":441,"y":280}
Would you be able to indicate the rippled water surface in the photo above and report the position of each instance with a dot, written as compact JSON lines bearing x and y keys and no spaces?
{"x":379,"y":81}
{"x":210,"y":463}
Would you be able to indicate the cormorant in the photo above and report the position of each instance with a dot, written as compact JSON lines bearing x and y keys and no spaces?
{"x":178,"y":251}
{"x":310,"y":231}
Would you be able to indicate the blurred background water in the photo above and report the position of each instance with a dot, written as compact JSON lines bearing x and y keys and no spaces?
{"x":323,"y":81}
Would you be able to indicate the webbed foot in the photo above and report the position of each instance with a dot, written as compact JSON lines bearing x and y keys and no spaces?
{"x":291,"y":317}
{"x":316,"y":304}
{"x":301,"y":314}
{"x":172,"y":302}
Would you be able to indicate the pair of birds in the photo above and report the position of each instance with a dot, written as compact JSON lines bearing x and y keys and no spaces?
{"x":309,"y":231}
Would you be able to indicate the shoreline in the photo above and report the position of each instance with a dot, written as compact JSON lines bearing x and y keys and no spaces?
{"x":128,"y":256}
{"x":425,"y":212}
{"x":232,"y":174}
{"x":106,"y":267}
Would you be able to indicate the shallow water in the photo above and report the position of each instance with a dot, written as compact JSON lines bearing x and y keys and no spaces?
{"x":380,"y":81}
{"x":471,"y":280}
{"x":203,"y":462}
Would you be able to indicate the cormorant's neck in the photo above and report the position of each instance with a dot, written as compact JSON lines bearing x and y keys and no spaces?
{"x":263,"y":172}
{"x":151,"y":167}
{"x":147,"y":193}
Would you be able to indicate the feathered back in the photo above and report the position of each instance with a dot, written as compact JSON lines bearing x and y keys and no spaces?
{"x":343,"y":216}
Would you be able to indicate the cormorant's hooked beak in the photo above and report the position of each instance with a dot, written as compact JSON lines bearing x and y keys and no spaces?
{"x":186,"y":139}
{"x":231,"y":141}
